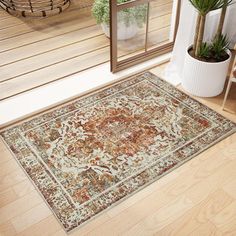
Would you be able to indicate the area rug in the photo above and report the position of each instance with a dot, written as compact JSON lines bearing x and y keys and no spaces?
{"x":98,"y":149}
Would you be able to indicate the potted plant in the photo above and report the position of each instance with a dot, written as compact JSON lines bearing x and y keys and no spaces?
{"x":206,"y":63}
{"x":129,"y":20}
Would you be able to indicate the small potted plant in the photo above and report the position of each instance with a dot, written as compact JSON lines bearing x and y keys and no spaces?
{"x":129,"y":20}
{"x":206,"y":63}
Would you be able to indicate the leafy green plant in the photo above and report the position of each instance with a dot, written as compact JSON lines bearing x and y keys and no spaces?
{"x":203,"y":7}
{"x":137,"y":14}
{"x":100,"y":11}
{"x":219,"y":46}
{"x":215,"y":51}
{"x":204,"y":51}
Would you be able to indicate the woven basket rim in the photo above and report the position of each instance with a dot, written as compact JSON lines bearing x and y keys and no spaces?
{"x":35,"y":10}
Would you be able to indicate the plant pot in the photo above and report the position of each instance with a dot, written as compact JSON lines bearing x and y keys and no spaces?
{"x":204,"y":79}
{"x":123,"y":32}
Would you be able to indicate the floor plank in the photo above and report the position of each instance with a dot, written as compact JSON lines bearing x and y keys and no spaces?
{"x":12,"y":179}
{"x":225,"y":218}
{"x":199,"y":215}
{"x":230,"y":187}
{"x":30,"y":217}
{"x":45,"y":227}
{"x":7,"y":196}
{"x":7,"y":229}
{"x":206,"y":229}
{"x":19,"y":206}
{"x":160,"y":218}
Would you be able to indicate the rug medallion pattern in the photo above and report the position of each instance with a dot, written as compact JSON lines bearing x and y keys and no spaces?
{"x":90,"y":153}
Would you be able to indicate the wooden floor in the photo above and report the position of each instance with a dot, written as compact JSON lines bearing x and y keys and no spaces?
{"x":34,"y":52}
{"x":199,"y":198}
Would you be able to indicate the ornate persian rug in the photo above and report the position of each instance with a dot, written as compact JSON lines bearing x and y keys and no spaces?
{"x":92,"y":152}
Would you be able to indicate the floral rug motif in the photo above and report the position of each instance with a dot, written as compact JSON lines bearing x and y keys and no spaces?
{"x":90,"y":153}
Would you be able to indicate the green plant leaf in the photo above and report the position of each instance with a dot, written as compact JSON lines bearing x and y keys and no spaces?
{"x":204,"y":51}
{"x":205,"y":6}
{"x":219,"y":46}
{"x":129,"y":16}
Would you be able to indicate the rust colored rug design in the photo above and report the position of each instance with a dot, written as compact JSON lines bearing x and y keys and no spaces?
{"x":90,"y":153}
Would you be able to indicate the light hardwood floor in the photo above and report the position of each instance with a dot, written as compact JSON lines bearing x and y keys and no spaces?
{"x":199,"y":198}
{"x":35,"y":52}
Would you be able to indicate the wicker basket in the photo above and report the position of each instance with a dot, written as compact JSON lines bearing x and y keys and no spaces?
{"x":34,"y":7}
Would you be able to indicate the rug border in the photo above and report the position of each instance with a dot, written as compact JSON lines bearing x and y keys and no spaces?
{"x":84,"y":95}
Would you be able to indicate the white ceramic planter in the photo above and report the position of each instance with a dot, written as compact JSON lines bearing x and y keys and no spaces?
{"x":204,"y":79}
{"x":123,"y":32}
